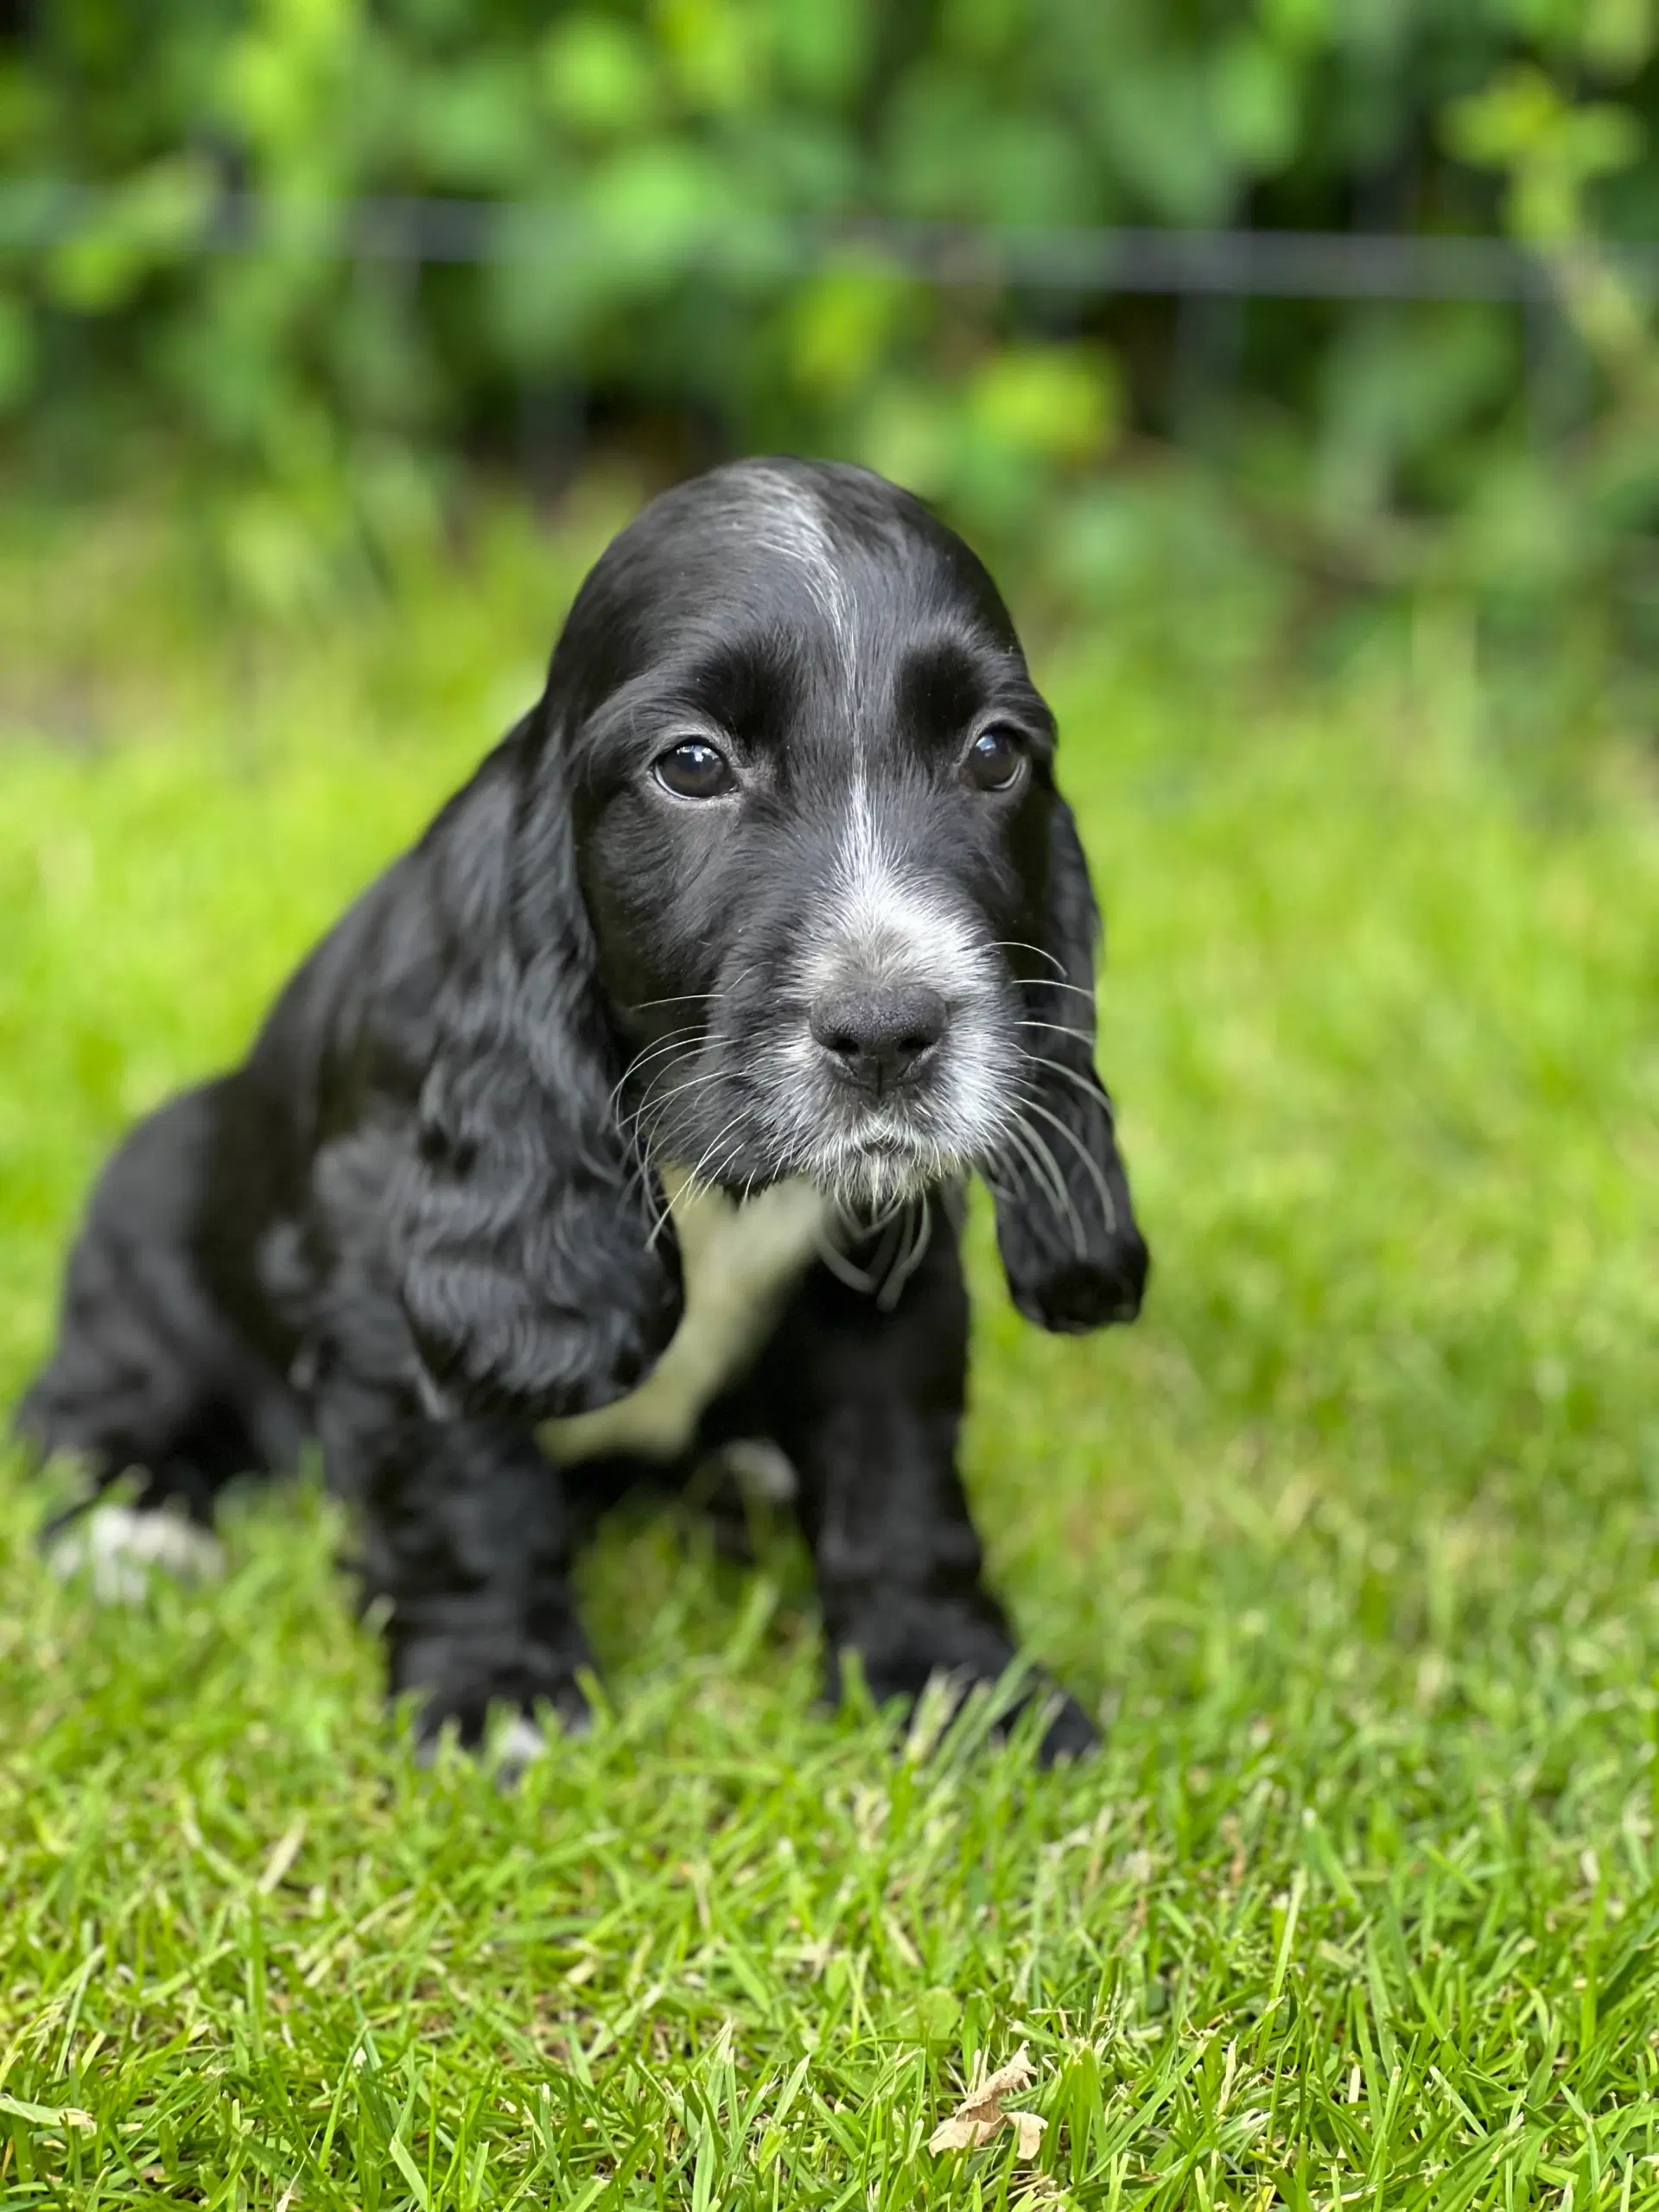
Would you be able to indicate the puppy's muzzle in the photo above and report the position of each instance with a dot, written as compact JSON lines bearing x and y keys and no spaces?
{"x":878,"y":1038}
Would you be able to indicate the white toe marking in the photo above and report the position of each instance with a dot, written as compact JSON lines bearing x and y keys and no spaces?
{"x":760,"y":1470}
{"x":519,"y":1741}
{"x":122,"y":1549}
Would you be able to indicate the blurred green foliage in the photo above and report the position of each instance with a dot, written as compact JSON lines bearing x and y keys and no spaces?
{"x":654,"y":174}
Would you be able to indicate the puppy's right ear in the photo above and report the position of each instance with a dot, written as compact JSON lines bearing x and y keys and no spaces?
{"x":537,"y":1273}
{"x":1073,"y":1255}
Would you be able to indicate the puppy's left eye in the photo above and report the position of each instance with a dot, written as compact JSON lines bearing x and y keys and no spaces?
{"x":694,"y":769}
{"x":995,"y":759}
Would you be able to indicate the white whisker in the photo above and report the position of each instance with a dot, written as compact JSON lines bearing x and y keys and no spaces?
{"x":1029,"y":1021}
{"x":1018,"y":944}
{"x":1089,"y":1090}
{"x":1042,"y":1157}
{"x":1052,"y":983}
{"x":1083,"y":1154}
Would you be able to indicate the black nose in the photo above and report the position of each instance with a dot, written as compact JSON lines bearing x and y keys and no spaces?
{"x":878,"y":1034}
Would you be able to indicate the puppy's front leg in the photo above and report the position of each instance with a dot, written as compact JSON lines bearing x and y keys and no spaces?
{"x":467,"y":1539}
{"x":866,"y":1404}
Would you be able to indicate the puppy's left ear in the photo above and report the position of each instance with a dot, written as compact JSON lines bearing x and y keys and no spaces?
{"x":537,"y":1273}
{"x":1065,"y":1228}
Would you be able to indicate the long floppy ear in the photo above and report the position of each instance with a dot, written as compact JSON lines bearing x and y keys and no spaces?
{"x":537,"y":1271}
{"x":1073,"y":1255}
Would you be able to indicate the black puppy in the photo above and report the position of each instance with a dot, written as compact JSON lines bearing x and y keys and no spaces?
{"x":628,"y":1115}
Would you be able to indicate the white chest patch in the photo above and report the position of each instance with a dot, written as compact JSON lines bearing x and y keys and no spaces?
{"x":738,"y":1262}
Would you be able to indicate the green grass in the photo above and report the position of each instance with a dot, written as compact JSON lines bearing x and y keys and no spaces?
{"x":1351,"y":1540}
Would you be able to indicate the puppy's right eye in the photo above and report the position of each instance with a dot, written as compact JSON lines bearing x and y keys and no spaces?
{"x":694,"y":769}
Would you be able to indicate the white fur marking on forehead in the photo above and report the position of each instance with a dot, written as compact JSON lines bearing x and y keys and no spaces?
{"x":786,"y":520}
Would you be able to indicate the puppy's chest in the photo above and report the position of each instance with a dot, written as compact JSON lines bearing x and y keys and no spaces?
{"x":738,"y":1263}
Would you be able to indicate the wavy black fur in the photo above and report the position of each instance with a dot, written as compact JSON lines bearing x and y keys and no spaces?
{"x":422,"y":1217}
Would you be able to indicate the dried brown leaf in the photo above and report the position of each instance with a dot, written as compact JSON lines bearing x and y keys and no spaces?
{"x":980,"y":2115}
{"x":1028,"y":2128}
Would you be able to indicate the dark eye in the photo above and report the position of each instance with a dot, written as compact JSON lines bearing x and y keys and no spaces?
{"x":694,"y":769}
{"x":995,"y":757}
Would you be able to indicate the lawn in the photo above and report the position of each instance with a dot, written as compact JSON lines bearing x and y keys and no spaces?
{"x":1352,"y":1542}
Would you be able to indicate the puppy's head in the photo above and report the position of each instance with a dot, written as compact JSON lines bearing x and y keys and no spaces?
{"x":838,"y":908}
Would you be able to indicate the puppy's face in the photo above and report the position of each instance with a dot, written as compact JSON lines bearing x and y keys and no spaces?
{"x":812,"y":789}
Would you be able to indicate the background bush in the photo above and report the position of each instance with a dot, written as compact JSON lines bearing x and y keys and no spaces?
{"x":667,"y":185}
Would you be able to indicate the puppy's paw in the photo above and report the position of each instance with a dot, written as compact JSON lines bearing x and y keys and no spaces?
{"x":941,"y":1657}
{"x":508,"y":1737}
{"x":1070,"y":1735}
{"x":514,"y":1748}
{"x":122,"y":1549}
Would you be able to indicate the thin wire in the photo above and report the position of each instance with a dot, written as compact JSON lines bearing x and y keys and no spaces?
{"x":44,"y":213}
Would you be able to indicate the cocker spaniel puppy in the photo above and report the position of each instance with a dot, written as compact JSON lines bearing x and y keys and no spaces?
{"x":627,"y":1116}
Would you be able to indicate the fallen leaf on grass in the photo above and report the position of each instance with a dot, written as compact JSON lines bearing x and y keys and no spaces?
{"x":980,"y":2115}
